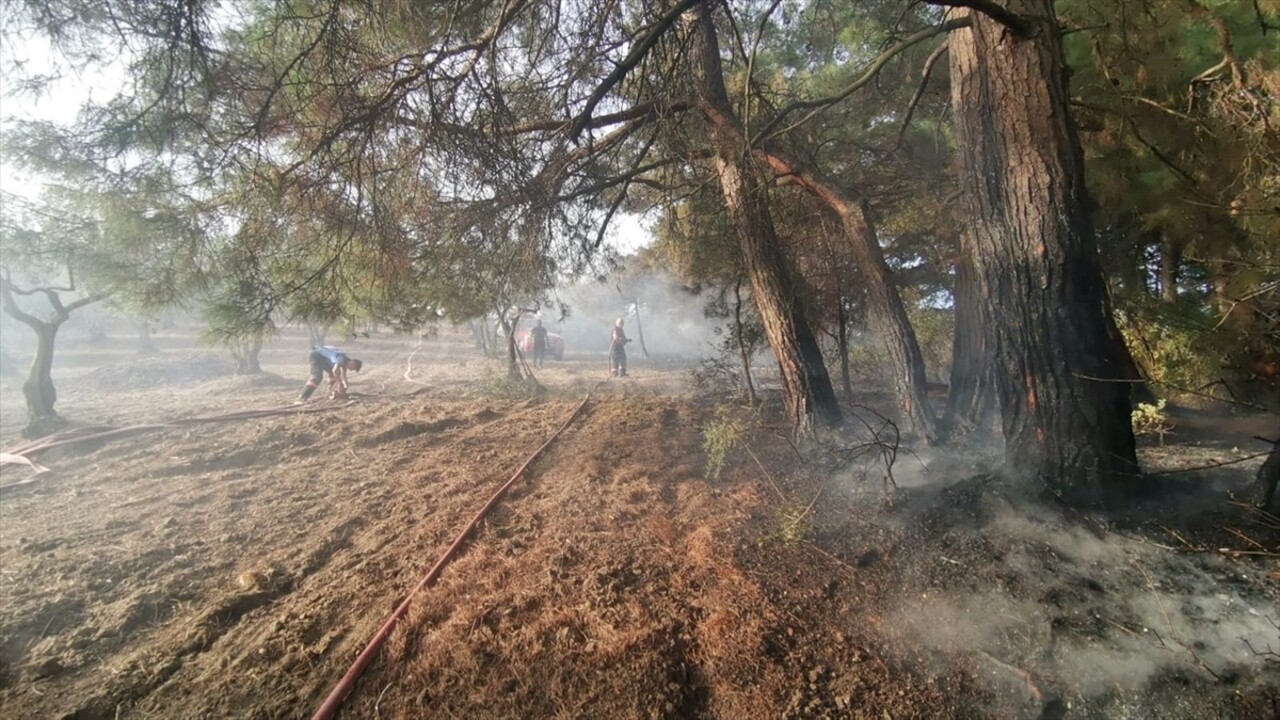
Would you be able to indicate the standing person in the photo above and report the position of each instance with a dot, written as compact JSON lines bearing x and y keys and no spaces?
{"x":539,"y":335}
{"x":618,"y":351}
{"x":333,"y":362}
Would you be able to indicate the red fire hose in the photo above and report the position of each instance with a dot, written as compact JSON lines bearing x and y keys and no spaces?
{"x":340,"y":691}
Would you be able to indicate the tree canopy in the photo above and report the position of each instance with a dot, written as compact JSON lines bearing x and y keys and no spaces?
{"x":317,"y":159}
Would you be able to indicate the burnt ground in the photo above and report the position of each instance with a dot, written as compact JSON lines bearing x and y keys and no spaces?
{"x":236,"y":569}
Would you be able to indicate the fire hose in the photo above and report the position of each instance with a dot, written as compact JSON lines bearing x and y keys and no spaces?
{"x":23,"y":453}
{"x":340,"y":691}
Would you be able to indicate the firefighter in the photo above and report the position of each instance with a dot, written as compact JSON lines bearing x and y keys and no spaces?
{"x":618,"y":351}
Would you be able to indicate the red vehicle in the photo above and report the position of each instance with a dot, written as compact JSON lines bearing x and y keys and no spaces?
{"x":524,"y":341}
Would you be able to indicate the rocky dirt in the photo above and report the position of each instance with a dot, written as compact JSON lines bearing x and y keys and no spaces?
{"x":236,"y":569}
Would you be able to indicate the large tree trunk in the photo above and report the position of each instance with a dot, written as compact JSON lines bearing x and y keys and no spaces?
{"x":806,"y":387}
{"x":885,"y":310}
{"x":971,"y":396}
{"x":889,"y":319}
{"x":1066,"y":420}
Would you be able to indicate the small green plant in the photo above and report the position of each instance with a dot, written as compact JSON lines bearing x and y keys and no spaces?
{"x":794,"y":524}
{"x":719,"y":437}
{"x":1151,"y":420}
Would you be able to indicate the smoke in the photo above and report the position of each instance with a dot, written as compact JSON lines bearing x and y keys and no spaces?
{"x":1043,"y":605}
{"x":671,"y":319}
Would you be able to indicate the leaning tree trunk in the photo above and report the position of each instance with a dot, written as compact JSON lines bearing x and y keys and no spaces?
{"x":885,"y":310}
{"x":806,"y":387}
{"x":889,"y":319}
{"x":971,"y":395}
{"x":1066,"y":419}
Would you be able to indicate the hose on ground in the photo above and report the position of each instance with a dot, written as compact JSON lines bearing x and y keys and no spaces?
{"x":340,"y":691}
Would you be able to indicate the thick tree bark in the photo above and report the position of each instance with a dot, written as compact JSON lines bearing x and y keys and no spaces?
{"x":806,"y":387}
{"x":971,"y":396}
{"x":1264,"y":487}
{"x":1066,"y":419}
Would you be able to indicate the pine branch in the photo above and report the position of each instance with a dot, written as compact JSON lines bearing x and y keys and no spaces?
{"x":1019,"y":25}
{"x":818,"y":105}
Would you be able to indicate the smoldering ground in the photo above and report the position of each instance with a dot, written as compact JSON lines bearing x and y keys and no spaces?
{"x":1059,"y":613}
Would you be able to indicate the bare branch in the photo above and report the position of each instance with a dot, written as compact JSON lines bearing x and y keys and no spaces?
{"x":915,"y":99}
{"x":1020,"y":25}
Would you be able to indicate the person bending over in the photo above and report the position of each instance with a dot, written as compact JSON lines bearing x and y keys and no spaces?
{"x":333,"y":362}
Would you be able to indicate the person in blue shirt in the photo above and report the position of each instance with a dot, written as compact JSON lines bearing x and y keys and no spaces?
{"x":333,"y":362}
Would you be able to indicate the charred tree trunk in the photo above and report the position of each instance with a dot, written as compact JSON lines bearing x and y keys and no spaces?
{"x":1066,"y":419}
{"x":806,"y":387}
{"x":971,"y":396}
{"x":743,"y":351}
